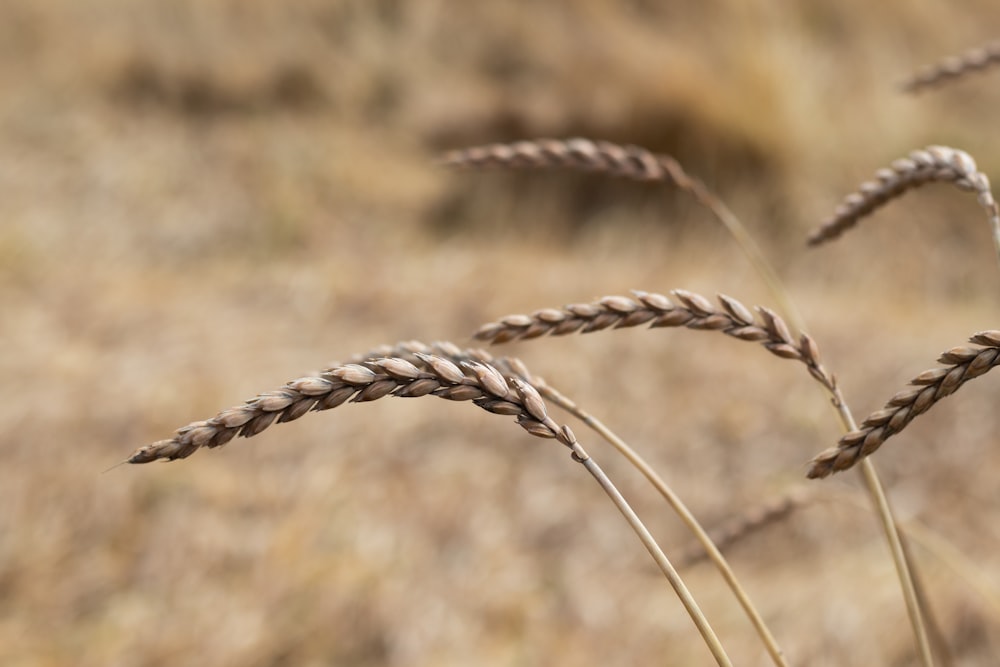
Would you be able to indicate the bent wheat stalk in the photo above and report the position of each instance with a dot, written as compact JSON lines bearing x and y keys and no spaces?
{"x":954,"y":67}
{"x":697,"y":312}
{"x":927,"y":165}
{"x":512,"y":366}
{"x":631,"y":162}
{"x":433,"y":375}
{"x":962,"y":364}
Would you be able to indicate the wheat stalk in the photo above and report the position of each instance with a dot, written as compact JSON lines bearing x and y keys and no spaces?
{"x":962,"y":364}
{"x":631,"y":162}
{"x":427,"y":375}
{"x":512,"y":366}
{"x":927,"y":165}
{"x":954,"y":67}
{"x":697,"y":312}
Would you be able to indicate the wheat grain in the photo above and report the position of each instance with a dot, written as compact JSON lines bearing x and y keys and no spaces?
{"x":962,"y":364}
{"x":954,"y":67}
{"x":927,"y":165}
{"x":692,"y":311}
{"x":369,"y":380}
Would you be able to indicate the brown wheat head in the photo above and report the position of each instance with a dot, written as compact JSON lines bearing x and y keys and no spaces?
{"x":961,"y":365}
{"x":927,"y":165}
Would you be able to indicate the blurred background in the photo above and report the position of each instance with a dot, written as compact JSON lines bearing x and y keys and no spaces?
{"x":202,"y":199}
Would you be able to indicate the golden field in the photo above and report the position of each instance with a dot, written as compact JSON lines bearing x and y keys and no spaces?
{"x":200,"y":200}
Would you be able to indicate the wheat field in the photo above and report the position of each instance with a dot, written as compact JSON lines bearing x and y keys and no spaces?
{"x":200,"y":201}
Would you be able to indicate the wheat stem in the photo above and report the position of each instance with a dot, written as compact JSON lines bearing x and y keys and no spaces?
{"x":557,"y":398}
{"x":711,"y":640}
{"x":734,"y":319}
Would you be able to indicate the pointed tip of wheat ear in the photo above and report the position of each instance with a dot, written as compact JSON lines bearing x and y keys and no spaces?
{"x":961,"y":365}
{"x":926,"y":165}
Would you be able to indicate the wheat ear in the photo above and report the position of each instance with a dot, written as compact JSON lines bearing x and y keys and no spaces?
{"x":691,"y":310}
{"x":367,"y":381}
{"x":927,"y":165}
{"x":954,"y":67}
{"x":432,"y":375}
{"x":631,"y":162}
{"x":512,"y":366}
{"x":962,"y":364}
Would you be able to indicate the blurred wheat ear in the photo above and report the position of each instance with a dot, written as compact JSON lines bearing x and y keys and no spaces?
{"x":927,"y":165}
{"x":954,"y":68}
{"x":963,"y":364}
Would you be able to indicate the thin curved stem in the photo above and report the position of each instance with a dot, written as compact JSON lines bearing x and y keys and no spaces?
{"x":557,"y":398}
{"x":891,"y":529}
{"x":711,"y":639}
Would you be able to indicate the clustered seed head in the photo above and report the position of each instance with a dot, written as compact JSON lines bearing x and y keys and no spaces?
{"x":692,"y":311}
{"x":962,"y":364}
{"x":954,"y":67}
{"x":931,"y":164}
{"x":456,"y":376}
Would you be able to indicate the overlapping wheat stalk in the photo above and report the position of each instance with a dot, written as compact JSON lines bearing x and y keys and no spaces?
{"x":512,"y":366}
{"x":954,"y":67}
{"x":734,"y":319}
{"x":962,"y":364}
{"x":927,"y":165}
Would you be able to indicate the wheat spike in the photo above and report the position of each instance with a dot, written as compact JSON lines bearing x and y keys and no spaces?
{"x":954,"y":67}
{"x":927,"y":165}
{"x":585,"y":154}
{"x":691,"y":310}
{"x":369,"y":380}
{"x":961,"y":365}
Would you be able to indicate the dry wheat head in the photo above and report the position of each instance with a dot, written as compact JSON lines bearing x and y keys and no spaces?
{"x":369,"y":380}
{"x":927,"y":165}
{"x":962,"y":364}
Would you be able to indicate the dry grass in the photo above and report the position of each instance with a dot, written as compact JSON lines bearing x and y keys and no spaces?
{"x":219,"y":196}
